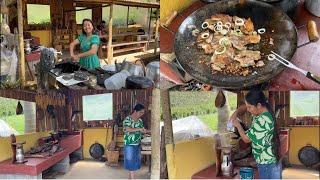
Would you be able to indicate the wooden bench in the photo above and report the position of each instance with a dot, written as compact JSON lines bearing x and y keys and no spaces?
{"x":140,"y":45}
{"x":35,"y":166}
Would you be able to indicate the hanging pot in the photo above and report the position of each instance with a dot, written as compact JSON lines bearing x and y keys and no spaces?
{"x":19,"y":109}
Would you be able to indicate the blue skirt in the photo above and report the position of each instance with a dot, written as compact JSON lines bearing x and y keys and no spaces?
{"x":132,"y":157}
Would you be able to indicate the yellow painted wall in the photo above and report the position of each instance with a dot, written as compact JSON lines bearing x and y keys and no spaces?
{"x":31,"y":141}
{"x":189,"y":157}
{"x":300,"y":137}
{"x":167,"y":7}
{"x":44,"y":35}
{"x":92,"y":135}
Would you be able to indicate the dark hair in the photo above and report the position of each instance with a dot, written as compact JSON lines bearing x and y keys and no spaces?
{"x":90,"y":22}
{"x":103,"y":21}
{"x":255,"y":97}
{"x":138,"y":107}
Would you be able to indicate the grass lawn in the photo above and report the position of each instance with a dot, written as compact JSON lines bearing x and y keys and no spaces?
{"x":16,"y":122}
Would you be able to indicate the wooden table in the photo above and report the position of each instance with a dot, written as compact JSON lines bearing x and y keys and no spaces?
{"x":307,"y":57}
{"x":35,"y":166}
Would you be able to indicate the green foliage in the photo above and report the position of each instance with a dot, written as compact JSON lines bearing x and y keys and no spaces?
{"x":7,"y":107}
{"x":16,"y":122}
{"x":184,"y":104}
{"x":201,"y":104}
{"x":211,"y":120}
{"x":8,"y":114}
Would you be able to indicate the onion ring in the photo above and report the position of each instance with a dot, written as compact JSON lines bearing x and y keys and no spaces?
{"x":227,"y":25}
{"x":224,"y":41}
{"x":205,"y":25}
{"x":261,"y":31}
{"x":220,"y":52}
{"x":219,"y":28}
{"x":271,"y":57}
{"x":205,"y":35}
{"x":219,"y":23}
{"x":195,"y":32}
{"x":239,"y":22}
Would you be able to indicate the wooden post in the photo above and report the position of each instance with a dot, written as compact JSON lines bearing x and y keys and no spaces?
{"x":149,"y":26}
{"x":110,"y":49}
{"x":166,"y":110}
{"x":155,"y":134}
{"x":22,"y":61}
{"x":128,"y":17}
{"x":163,"y":157}
{"x":157,"y":33}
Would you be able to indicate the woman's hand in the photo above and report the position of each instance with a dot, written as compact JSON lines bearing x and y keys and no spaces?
{"x":144,"y":131}
{"x":75,"y":57}
{"x":235,"y":122}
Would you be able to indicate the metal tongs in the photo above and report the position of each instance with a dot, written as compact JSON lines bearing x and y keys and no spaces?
{"x":275,"y":56}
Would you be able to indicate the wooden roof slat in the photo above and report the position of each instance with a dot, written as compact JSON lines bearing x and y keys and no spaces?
{"x":121,"y":2}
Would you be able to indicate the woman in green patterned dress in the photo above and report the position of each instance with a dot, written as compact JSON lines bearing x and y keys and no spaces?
{"x":89,"y":45}
{"x":262,"y":134}
{"x":133,"y":130}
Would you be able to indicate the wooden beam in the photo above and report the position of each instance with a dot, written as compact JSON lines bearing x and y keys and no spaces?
{"x":287,"y":109}
{"x":149,"y":26}
{"x":22,"y":61}
{"x":4,"y":10}
{"x":167,"y":119}
{"x":121,"y":2}
{"x":155,"y":134}
{"x":110,"y":49}
{"x":157,"y":32}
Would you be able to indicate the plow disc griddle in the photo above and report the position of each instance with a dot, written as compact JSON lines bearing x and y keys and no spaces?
{"x":263,"y":16}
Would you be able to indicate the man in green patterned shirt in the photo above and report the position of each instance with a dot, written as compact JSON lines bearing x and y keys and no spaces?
{"x":262,"y":134}
{"x":133,"y":129}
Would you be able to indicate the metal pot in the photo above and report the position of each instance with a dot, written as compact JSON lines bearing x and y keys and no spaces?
{"x":313,"y":6}
{"x":227,"y":166}
{"x":153,"y":73}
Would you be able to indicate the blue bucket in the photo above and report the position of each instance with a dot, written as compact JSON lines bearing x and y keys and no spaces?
{"x":246,"y":173}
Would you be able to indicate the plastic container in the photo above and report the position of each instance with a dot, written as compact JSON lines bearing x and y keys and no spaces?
{"x":117,"y":81}
{"x":246,"y":173}
{"x":153,"y":73}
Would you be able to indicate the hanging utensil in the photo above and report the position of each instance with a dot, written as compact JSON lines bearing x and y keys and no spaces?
{"x":285,"y":62}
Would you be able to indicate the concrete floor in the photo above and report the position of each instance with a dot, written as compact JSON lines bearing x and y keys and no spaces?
{"x":88,"y":169}
{"x":300,"y":173}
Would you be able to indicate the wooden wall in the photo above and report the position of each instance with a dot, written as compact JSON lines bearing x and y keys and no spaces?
{"x":123,"y":104}
{"x":63,"y":103}
{"x":275,"y":98}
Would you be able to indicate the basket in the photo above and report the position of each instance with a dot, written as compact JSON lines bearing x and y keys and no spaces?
{"x":112,"y":156}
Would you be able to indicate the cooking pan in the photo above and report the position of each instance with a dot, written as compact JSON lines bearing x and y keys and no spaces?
{"x":263,"y":15}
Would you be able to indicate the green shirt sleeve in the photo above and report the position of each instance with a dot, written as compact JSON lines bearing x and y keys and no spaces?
{"x":95,"y":40}
{"x":80,"y":38}
{"x":127,"y":122}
